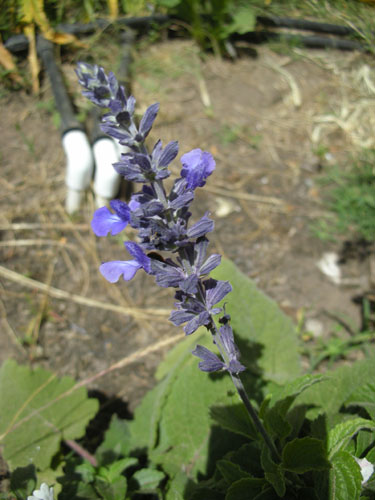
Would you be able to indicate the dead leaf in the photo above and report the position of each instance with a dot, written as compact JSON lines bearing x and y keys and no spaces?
{"x":6,"y":60}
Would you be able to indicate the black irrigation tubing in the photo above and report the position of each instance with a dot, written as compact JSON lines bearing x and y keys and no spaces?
{"x":19,"y":43}
{"x":62,"y":100}
{"x":313,"y":42}
{"x":302,"y":24}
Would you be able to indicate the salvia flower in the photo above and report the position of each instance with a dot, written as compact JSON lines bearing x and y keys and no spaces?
{"x":104,"y":221}
{"x":127,"y":269}
{"x":196,"y":167}
{"x":162,"y":219}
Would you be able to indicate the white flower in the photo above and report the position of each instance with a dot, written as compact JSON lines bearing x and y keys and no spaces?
{"x":367,"y":469}
{"x":44,"y":493}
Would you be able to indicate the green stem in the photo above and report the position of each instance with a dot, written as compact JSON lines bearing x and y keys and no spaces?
{"x":254,"y":417}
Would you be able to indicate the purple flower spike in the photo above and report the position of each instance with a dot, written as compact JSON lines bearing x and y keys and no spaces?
{"x":196,"y":167}
{"x":210,"y":362}
{"x":104,"y":221}
{"x":114,"y":269}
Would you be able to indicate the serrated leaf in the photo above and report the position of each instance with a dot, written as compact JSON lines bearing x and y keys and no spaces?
{"x":113,"y":490}
{"x":276,"y":425}
{"x":303,"y":455}
{"x":364,"y":441}
{"x":273,"y":472}
{"x":335,"y":390}
{"x":257,"y":318}
{"x":148,"y":479}
{"x":244,"y":489}
{"x":342,"y":433}
{"x":111,"y":472}
{"x":235,"y":419}
{"x":283,"y":397}
{"x":345,"y":478}
{"x":231,"y":472}
{"x":248,"y":458}
{"x":44,"y":411}
{"x":364,"y":397}
{"x":176,"y":487}
{"x":116,"y":442}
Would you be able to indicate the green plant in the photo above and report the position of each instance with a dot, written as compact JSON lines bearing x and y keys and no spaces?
{"x":350,"y":196}
{"x":212,"y":22}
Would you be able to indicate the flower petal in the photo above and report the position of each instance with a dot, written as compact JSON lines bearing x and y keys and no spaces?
{"x":197,"y":165}
{"x":114,"y":269}
{"x":104,"y":221}
{"x":140,"y":257}
{"x":210,"y":362}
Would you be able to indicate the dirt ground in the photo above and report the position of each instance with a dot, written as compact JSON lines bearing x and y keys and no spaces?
{"x":273,"y":122}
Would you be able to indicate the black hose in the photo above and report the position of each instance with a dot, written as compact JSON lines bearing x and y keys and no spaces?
{"x":302,"y":24}
{"x":135,"y":23}
{"x":62,"y":101}
{"x":313,"y":42}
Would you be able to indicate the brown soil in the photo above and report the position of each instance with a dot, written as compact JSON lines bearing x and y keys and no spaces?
{"x":262,"y":117}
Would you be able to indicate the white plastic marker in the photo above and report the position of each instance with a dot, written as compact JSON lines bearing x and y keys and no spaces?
{"x":79,"y":157}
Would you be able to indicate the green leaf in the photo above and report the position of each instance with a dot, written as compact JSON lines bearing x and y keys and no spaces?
{"x":43,"y":412}
{"x":148,"y":479}
{"x":303,"y":455}
{"x":231,"y":472}
{"x":244,"y":489}
{"x":276,"y":425}
{"x":23,"y":481}
{"x":176,"y":487}
{"x":169,"y":4}
{"x":113,"y":490}
{"x":342,"y":433}
{"x":235,"y":419}
{"x":113,"y":471}
{"x":116,"y":442}
{"x":248,"y":458}
{"x":243,"y":21}
{"x":335,"y":390}
{"x":282,"y":397}
{"x":364,"y":397}
{"x":273,"y":472}
{"x":144,"y":427}
{"x":185,"y":434}
{"x":345,"y":478}
{"x":257,"y":319}
{"x":364,"y":441}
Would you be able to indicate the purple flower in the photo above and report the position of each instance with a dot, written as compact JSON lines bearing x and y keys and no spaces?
{"x":114,"y":269}
{"x":104,"y":221}
{"x":210,"y":362}
{"x":196,"y":167}
{"x":197,"y":312}
{"x":231,"y":350}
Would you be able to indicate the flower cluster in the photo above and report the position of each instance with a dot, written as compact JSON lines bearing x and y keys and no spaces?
{"x":161,"y":218}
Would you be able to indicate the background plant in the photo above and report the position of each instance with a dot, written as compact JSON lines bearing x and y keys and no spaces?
{"x":349,"y":194}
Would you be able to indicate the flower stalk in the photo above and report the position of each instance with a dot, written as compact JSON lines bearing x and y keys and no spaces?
{"x":162,"y":220}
